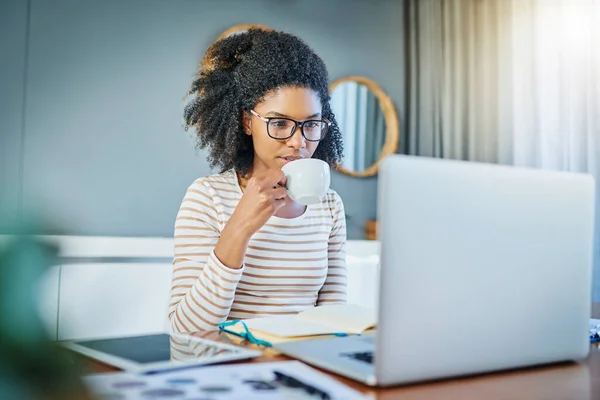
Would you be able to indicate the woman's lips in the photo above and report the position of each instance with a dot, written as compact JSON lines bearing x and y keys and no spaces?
{"x":286,"y":160}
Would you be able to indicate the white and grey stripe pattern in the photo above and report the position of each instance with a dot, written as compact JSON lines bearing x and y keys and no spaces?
{"x":290,"y":265}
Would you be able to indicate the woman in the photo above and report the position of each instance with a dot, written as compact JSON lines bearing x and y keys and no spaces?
{"x":243,"y":248}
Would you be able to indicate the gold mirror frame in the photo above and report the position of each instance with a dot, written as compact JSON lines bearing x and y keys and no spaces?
{"x":392,"y":133}
{"x":242,"y":27}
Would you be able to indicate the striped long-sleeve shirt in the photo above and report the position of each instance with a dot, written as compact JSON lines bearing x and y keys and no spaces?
{"x":291,"y":264}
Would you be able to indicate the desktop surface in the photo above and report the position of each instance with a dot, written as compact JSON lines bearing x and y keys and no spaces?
{"x":558,"y":381}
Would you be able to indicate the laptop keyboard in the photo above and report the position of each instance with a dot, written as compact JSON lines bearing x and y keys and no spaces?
{"x":364,"y":356}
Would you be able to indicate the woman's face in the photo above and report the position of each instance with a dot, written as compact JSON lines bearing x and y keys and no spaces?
{"x":299,"y":104}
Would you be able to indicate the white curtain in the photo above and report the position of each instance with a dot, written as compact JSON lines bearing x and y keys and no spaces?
{"x":506,"y":81}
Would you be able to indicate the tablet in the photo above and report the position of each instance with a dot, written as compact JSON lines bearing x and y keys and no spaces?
{"x":158,"y":352}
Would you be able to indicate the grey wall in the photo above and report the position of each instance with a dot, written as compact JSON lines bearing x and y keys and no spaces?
{"x":13,"y":44}
{"x":104,"y":152}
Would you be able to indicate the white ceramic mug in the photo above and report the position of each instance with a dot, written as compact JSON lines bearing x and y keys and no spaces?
{"x":307,"y":180}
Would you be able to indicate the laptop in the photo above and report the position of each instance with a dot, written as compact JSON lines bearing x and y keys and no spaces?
{"x":483,"y":268}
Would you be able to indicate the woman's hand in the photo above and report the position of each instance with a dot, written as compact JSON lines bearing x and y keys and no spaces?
{"x":263,"y":196}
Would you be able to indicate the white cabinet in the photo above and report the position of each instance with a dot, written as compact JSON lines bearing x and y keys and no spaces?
{"x":47,"y":293}
{"x":103,"y":300}
{"x":363,"y":284}
{"x":362,"y":263}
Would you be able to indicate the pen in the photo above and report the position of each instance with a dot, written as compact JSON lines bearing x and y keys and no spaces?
{"x":292,"y":382}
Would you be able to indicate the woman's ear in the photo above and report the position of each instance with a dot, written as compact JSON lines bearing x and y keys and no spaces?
{"x":247,"y":122}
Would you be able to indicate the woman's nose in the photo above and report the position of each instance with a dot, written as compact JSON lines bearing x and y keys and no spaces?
{"x":297,"y":140}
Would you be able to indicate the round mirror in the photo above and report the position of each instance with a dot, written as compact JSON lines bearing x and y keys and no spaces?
{"x":242,"y":28}
{"x":368,"y":122}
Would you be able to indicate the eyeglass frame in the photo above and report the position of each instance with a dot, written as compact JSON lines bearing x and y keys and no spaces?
{"x":296,"y":124}
{"x":244,"y":335}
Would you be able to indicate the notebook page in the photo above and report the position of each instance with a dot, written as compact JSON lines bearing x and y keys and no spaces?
{"x":290,"y":326}
{"x":347,"y":318}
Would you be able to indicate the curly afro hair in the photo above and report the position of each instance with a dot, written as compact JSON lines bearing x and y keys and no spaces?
{"x":235,"y":74}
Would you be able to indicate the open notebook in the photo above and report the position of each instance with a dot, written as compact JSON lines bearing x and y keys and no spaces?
{"x":323,"y":320}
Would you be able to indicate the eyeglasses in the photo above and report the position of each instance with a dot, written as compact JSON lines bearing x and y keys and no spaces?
{"x":313,"y":130}
{"x":245,"y":335}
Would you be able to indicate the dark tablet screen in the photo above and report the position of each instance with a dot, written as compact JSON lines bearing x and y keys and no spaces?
{"x":140,"y":349}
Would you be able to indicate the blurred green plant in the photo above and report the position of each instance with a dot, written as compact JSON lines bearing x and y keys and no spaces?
{"x":31,"y":365}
